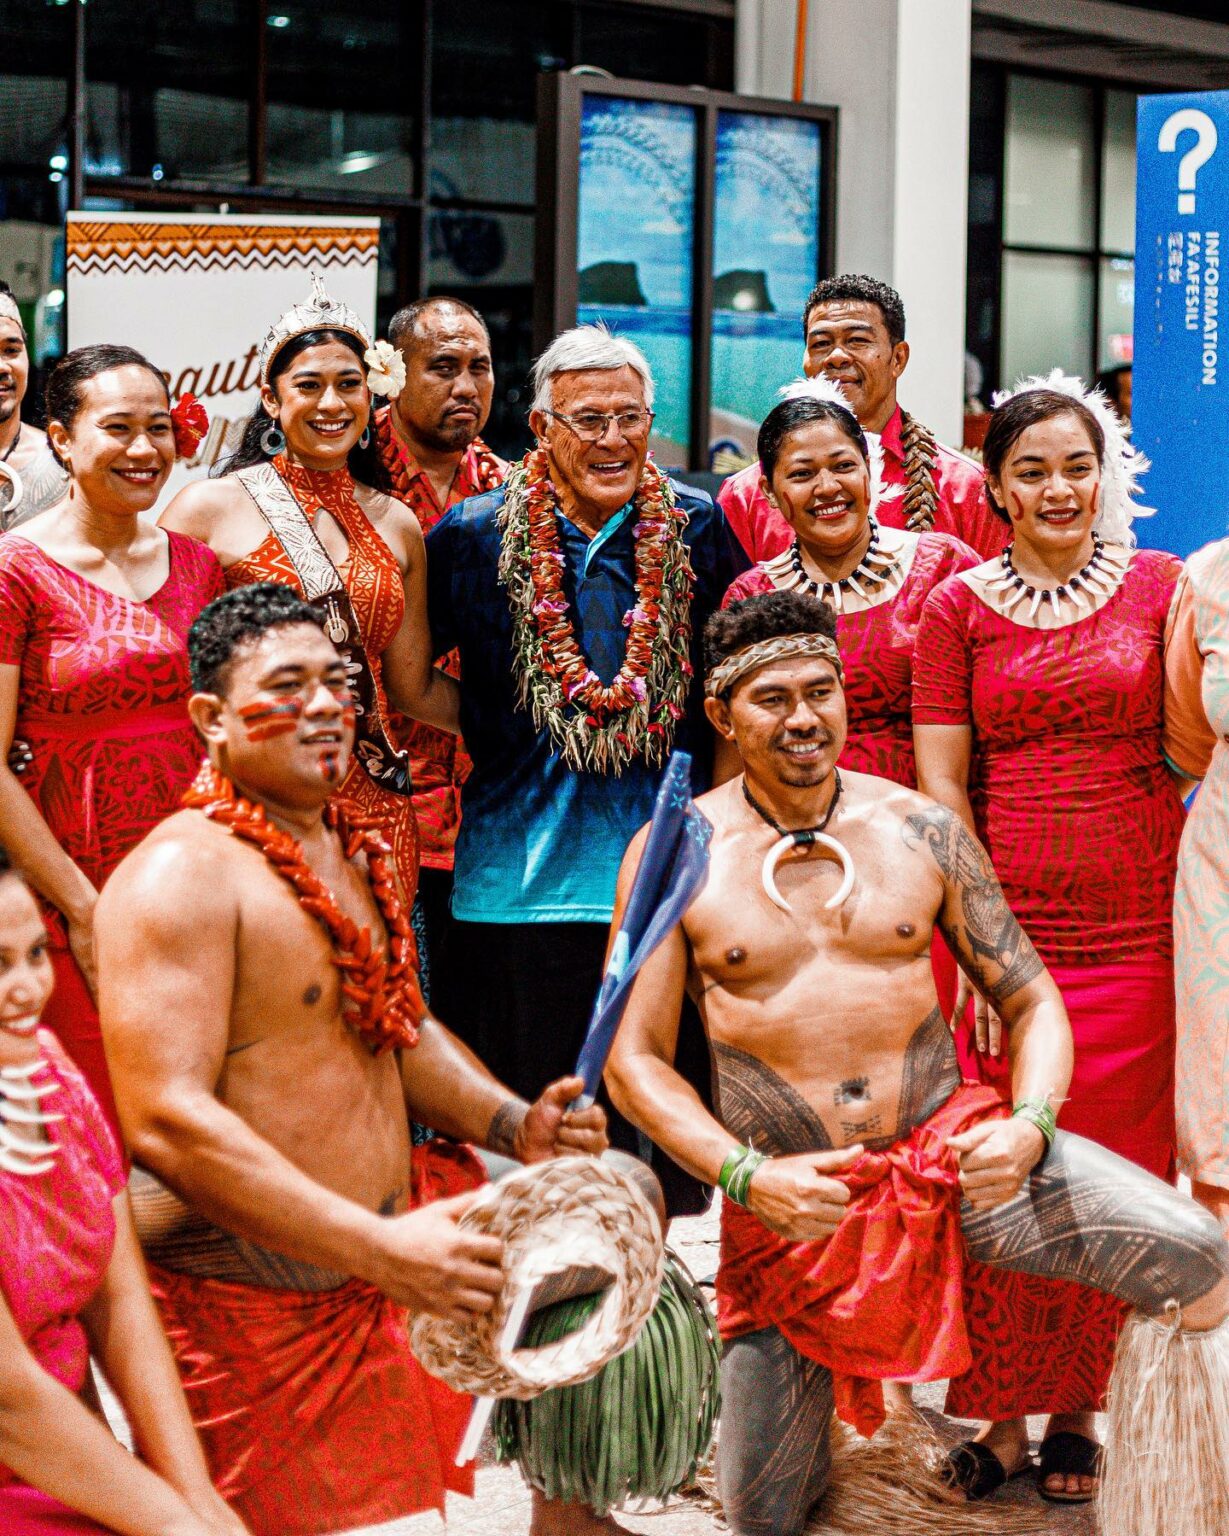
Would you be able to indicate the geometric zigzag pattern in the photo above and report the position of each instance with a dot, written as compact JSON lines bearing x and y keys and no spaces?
{"x":104,"y":247}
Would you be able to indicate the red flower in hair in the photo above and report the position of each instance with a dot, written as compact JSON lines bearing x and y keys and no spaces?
{"x":191,"y":422}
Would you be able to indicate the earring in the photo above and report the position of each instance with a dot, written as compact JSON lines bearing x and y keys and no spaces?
{"x":272,"y":440}
{"x":365,"y":440}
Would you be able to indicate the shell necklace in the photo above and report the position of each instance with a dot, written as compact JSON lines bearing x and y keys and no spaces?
{"x":876,"y":568}
{"x":21,"y":1104}
{"x":802,"y":837}
{"x":1096,"y":580}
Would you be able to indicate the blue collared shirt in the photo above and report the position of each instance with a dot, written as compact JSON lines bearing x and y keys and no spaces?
{"x":539,"y":841}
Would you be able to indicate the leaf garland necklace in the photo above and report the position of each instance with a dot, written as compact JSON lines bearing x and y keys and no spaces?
{"x":380,"y":996}
{"x":594,"y":725}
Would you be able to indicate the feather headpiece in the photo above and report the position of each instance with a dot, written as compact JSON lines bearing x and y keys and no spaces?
{"x":1124,"y":465}
{"x":830,"y":393}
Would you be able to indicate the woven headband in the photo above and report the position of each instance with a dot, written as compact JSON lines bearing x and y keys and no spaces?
{"x":9,"y":310}
{"x":734,"y":668}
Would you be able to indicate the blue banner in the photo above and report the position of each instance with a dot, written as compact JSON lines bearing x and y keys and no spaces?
{"x":1180,"y":389}
{"x":673,"y":867}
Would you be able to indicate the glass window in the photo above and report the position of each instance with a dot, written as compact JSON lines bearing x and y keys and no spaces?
{"x":1116,"y":343}
{"x":1047,"y":314}
{"x":1118,"y":173}
{"x":342,"y":96}
{"x":169,"y":87}
{"x":636,"y":233}
{"x":1050,"y":164}
{"x":765,"y":262}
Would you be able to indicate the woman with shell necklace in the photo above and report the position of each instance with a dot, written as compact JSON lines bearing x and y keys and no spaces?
{"x":305,"y":502}
{"x":72,"y":1281}
{"x":1038,"y":686}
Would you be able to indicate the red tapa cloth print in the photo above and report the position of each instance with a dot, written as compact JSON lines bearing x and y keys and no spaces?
{"x":881,"y":1299}
{"x":877,"y":655}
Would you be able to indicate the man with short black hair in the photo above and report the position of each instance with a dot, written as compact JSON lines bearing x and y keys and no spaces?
{"x":854,"y":332}
{"x":268,"y":1045}
{"x":429,"y":441}
{"x":31,"y":477}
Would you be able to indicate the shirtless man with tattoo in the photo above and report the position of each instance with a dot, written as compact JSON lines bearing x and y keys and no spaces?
{"x":858,"y":1170}
{"x":269,"y":1048}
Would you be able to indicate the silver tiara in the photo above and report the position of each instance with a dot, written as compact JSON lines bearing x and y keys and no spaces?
{"x":319,"y":313}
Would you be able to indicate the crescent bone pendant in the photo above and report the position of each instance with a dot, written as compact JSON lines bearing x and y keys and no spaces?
{"x":806,"y":839}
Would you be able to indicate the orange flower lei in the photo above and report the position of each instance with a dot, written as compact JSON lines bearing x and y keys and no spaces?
{"x":381,"y":1000}
{"x":596,"y":725}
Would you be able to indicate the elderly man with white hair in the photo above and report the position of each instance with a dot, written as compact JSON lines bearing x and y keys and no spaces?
{"x":576,"y":595}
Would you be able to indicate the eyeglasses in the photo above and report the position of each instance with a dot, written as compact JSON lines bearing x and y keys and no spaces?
{"x":592,"y":426}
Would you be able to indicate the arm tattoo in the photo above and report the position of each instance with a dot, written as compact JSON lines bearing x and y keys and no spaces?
{"x":989,"y":943}
{"x":505,"y":1123}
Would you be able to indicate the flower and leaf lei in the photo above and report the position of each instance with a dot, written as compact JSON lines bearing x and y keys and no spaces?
{"x":595,"y":725}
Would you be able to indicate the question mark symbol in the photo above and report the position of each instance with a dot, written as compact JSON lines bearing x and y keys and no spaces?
{"x":1188,"y":120}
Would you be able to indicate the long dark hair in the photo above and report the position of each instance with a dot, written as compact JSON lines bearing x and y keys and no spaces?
{"x":365,"y":464}
{"x":64,"y":395}
{"x":1011,"y":420}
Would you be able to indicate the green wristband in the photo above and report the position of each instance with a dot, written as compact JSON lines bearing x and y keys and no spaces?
{"x":737,"y":1172}
{"x":1038,"y":1112}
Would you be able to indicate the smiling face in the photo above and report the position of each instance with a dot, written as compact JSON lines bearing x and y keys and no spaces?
{"x":282,"y":726}
{"x":1050,"y":485}
{"x":594,"y":479}
{"x":322,"y":404}
{"x":821,"y":485}
{"x":120,"y":446}
{"x":847,"y":341}
{"x":449,"y":380}
{"x":26,"y":977}
{"x":787,"y":720}
{"x":14,"y":369}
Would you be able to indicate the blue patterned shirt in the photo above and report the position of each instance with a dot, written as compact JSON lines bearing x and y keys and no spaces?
{"x":541,"y":842}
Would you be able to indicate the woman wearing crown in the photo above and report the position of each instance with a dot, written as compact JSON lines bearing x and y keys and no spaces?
{"x":304,"y":501}
{"x":1038,"y":685}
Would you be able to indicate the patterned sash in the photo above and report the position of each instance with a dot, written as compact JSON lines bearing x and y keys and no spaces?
{"x":324,"y":589}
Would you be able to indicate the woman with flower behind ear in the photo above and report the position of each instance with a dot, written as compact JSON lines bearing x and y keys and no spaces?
{"x":305,"y":501}
{"x":95,"y":607}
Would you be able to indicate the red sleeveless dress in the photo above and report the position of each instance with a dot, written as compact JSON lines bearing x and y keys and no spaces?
{"x":372,"y":579}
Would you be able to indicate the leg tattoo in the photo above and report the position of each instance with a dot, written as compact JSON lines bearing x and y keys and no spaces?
{"x":758,"y":1106}
{"x":931,"y":1075}
{"x":773,"y":1461}
{"x":1088,"y":1215}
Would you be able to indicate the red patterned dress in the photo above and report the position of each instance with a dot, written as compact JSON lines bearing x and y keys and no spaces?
{"x":1074,"y":803}
{"x":103,"y":689}
{"x":877,"y":654}
{"x":439,"y":763}
{"x":373,"y":581}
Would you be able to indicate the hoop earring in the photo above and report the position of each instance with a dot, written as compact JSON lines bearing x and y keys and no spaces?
{"x":365,"y":440}
{"x":272,"y":440}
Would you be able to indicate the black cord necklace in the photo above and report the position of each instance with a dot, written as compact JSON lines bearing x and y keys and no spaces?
{"x":803,"y":836}
{"x":8,"y":452}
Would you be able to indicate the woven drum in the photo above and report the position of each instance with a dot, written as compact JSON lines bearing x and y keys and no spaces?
{"x":556,"y":1219}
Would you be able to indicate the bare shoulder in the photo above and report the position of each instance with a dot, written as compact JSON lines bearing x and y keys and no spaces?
{"x":184,"y":870}
{"x":198,"y":509}
{"x":392,"y":519}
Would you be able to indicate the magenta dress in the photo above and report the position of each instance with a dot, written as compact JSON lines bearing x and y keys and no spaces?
{"x":103,"y":706}
{"x":57,"y":1231}
{"x":1075,"y":805}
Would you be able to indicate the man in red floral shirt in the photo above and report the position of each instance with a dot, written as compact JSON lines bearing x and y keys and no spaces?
{"x":854,"y":334}
{"x":428,"y":439}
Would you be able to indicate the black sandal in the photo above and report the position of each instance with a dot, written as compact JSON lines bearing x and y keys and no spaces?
{"x":1067,"y":1454}
{"x":974,"y":1468}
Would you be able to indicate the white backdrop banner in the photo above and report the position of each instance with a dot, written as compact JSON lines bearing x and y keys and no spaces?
{"x":196,"y":295}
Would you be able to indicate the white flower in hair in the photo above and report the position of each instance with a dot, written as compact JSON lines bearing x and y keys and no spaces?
{"x":1124,"y":467}
{"x":831,"y":393}
{"x":386,"y":366}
